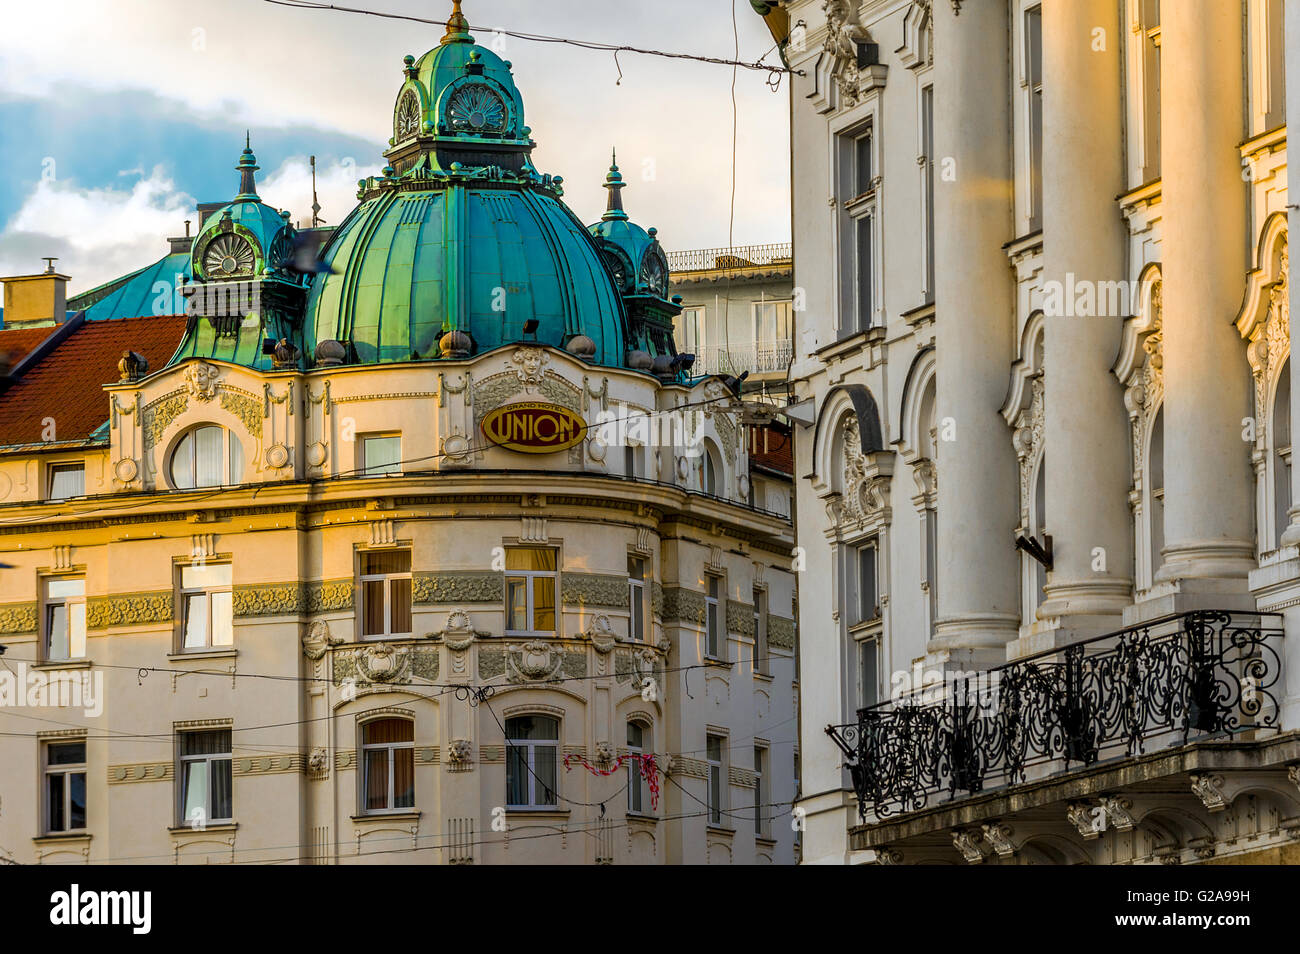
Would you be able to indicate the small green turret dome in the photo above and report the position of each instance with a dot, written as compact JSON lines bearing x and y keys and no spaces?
{"x":634,"y":255}
{"x":243,"y":238}
{"x":461,"y":238}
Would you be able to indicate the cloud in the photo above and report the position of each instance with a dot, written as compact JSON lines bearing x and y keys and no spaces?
{"x":98,"y":233}
{"x":289,"y":187}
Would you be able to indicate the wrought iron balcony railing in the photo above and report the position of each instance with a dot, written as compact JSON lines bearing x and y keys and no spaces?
{"x":1197,"y":675}
{"x":759,"y":358}
{"x":740,"y":256}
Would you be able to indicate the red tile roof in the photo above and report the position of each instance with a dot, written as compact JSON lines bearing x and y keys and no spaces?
{"x":771,"y":447}
{"x":17,"y":343}
{"x":67,"y":384}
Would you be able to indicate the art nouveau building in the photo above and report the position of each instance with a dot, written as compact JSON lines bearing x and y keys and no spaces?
{"x":435,"y":555}
{"x":1046,"y":502}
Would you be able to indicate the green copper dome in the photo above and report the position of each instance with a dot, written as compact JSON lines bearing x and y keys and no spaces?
{"x":634,"y":254}
{"x":461,"y":241}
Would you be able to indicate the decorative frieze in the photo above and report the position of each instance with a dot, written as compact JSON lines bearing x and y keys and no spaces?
{"x":245,"y":407}
{"x":742,"y":778}
{"x":270,"y":599}
{"x":267,"y":764}
{"x":458,"y":586}
{"x":130,"y":609}
{"x":740,"y":618}
{"x":492,"y":753}
{"x":17,"y":619}
{"x":140,"y":772}
{"x":780,"y":632}
{"x":683,"y":605}
{"x":491,"y":663}
{"x":593,"y":589}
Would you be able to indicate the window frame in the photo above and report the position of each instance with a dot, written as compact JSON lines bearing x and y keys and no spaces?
{"x":53,"y":469}
{"x":858,"y":217}
{"x":49,"y":603}
{"x":528,"y":577}
{"x":530,"y":747}
{"x":714,"y":621}
{"x":636,"y":598}
{"x":637,"y":790}
{"x":1032,"y":59}
{"x":183,"y":781}
{"x":715,"y":786}
{"x":387,"y":579}
{"x":762,"y":784}
{"x":762,"y":651}
{"x":183,"y":607}
{"x":364,"y":468}
{"x":390,"y":761}
{"x":66,"y":770}
{"x":230,"y":445}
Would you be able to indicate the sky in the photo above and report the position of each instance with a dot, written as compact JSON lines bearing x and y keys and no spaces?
{"x":117,"y":116}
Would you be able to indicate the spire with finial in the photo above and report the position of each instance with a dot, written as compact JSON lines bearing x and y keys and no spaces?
{"x":457,"y":26}
{"x":247,"y":166}
{"x":614,"y":183}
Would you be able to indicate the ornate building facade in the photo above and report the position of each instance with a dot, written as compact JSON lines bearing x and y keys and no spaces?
{"x":431,"y":550}
{"x":1046,"y":499}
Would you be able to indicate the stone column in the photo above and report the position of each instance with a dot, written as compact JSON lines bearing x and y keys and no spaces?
{"x":974,"y":317}
{"x":1208,"y":482}
{"x":1085,"y":300}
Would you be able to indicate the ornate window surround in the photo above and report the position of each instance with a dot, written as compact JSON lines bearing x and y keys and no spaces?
{"x":1025,"y":410}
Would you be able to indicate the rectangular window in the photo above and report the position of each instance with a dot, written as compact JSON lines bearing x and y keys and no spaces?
{"x":637,"y":800}
{"x":1276,"y":65}
{"x":1151,"y":88}
{"x":864,"y":262}
{"x":760,"y":791}
{"x":204,"y":773}
{"x":532,"y":759}
{"x":67,"y":480}
{"x":717,"y":781}
{"x":381,"y":454}
{"x":388,"y":765}
{"x":65,"y":619}
{"x":927,"y":169}
{"x":530,"y":590}
{"x":207,"y":611}
{"x":1034,"y":84}
{"x":385,"y":593}
{"x":868,"y":607}
{"x":688,"y":329}
{"x":862,"y":164}
{"x":931,"y":519}
{"x":712,"y":619}
{"x":636,"y":598}
{"x":762,"y":661}
{"x":65,"y":787}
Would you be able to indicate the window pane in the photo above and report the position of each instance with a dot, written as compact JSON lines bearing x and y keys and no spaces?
{"x":194,"y":798}
{"x":208,"y":452}
{"x":196,"y":620}
{"x":529,"y":558}
{"x":516,"y":776}
{"x":183,"y":462}
{"x":387,"y":731}
{"x":236,"y":460}
{"x":56,"y":640}
{"x":212,"y":742}
{"x":516,"y":605}
{"x":221,"y":792}
{"x":376,"y":562}
{"x":714,"y":747}
{"x":372,"y":597}
{"x":400,"y":592}
{"x":381,"y":455}
{"x":635,"y":733}
{"x":201,"y":575}
{"x":65,"y":588}
{"x":376,"y":782}
{"x":638,"y":614}
{"x":404,"y":778}
{"x":76,"y":799}
{"x":868,"y":676}
{"x":67,"y":480}
{"x":864,"y":268}
{"x":862,"y":163}
{"x":715,"y":794}
{"x":544,"y":604}
{"x":712,"y":629}
{"x":545,"y":769}
{"x":66,"y":753}
{"x":77,"y":631}
{"x":531,"y":728}
{"x":58,"y":820}
{"x":223,"y":633}
{"x":636,"y":568}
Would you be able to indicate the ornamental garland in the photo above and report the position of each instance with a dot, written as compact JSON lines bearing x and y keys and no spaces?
{"x":649,"y":771}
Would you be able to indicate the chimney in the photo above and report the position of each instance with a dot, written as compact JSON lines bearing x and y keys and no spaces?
{"x":36,"y":301}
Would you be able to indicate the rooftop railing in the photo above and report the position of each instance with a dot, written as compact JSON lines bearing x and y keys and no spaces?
{"x":740,"y":256}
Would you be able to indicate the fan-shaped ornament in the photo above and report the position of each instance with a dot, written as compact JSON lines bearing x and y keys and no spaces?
{"x":654,"y":273}
{"x":228,"y":255}
{"x":408,"y":117}
{"x":476,"y":108}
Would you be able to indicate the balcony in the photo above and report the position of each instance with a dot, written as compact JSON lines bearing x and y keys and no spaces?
{"x":740,"y":256}
{"x":1197,"y":676}
{"x":763,"y":358}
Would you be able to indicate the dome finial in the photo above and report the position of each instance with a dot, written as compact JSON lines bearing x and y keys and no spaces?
{"x":457,"y":26}
{"x":614,"y":183}
{"x":246,"y":167}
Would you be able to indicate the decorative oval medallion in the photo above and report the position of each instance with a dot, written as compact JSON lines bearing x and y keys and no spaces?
{"x":533,"y":427}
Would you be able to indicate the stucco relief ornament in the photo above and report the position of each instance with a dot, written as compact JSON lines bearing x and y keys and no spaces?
{"x":201,"y":380}
{"x":318,"y":639}
{"x":604,"y":753}
{"x":843,"y":34}
{"x":317,"y":762}
{"x":530,"y":366}
{"x":601,"y":634}
{"x":459,"y":751}
{"x":459,"y":631}
{"x":384,"y":663}
{"x":533,"y":661}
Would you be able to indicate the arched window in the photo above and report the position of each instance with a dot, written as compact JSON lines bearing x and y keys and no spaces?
{"x":388,"y":765}
{"x":208,"y":456}
{"x":710,"y":471}
{"x":532,"y":758}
